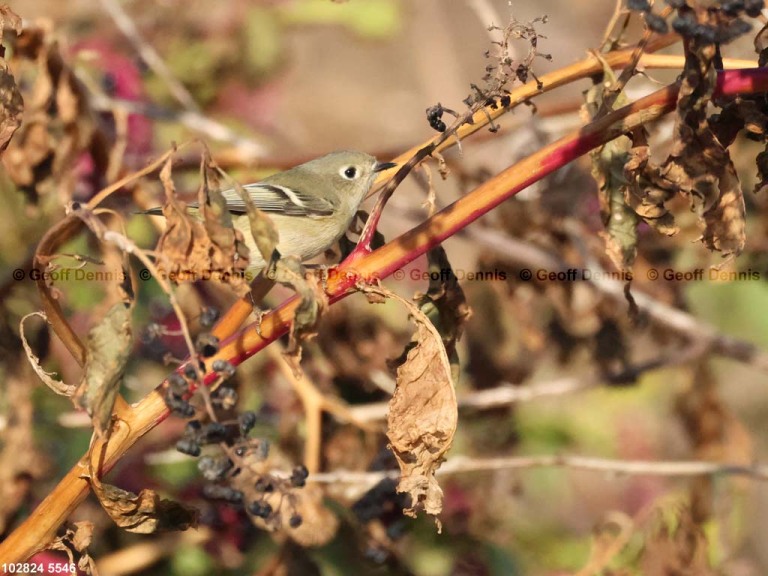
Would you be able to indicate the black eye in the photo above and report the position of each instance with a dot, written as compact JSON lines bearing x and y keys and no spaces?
{"x":350,"y":172}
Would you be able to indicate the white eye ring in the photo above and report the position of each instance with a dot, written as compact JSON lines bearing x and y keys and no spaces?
{"x":349,"y":172}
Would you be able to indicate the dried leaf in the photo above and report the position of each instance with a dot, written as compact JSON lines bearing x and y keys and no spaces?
{"x":58,"y":124}
{"x":108,"y":349}
{"x":726,"y":220}
{"x":445,"y":304}
{"x":191,"y":249}
{"x":263,"y":229}
{"x":699,"y":165}
{"x":11,"y":106}
{"x":146,"y":513}
{"x":646,"y":193}
{"x":676,"y":546}
{"x":58,"y":386}
{"x":9,"y":19}
{"x":22,"y":464}
{"x":608,"y":540}
{"x":608,"y":163}
{"x":77,"y":537}
{"x":422,"y":412}
{"x":314,"y":301}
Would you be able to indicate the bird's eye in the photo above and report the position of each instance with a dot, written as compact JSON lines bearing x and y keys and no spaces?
{"x":350,"y":172}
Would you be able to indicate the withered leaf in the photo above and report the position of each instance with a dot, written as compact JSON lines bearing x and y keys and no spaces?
{"x":191,"y":249}
{"x":313,"y":302}
{"x":11,"y":106}
{"x":76,"y":538}
{"x":699,"y":165}
{"x":58,"y":124}
{"x":423,"y":413}
{"x":608,"y":539}
{"x":725,"y":221}
{"x":263,"y":229}
{"x":9,"y":19}
{"x":58,"y":386}
{"x":675,"y":545}
{"x":445,"y":304}
{"x":608,"y":170}
{"x":108,"y":349}
{"x":145,"y":513}
{"x":11,"y":102}
{"x":229,"y":248}
{"x":647,"y":193}
{"x":619,"y":219}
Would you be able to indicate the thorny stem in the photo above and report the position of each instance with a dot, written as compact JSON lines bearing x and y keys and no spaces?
{"x":131,"y":423}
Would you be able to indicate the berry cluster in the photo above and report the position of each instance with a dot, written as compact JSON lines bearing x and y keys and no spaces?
{"x":230,"y":460}
{"x":725,"y":23}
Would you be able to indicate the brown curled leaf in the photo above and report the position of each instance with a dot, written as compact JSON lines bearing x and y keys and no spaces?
{"x":58,"y":386}
{"x":107,"y":351}
{"x":76,"y":538}
{"x":59,"y":125}
{"x":647,"y":193}
{"x":445,"y":304}
{"x":145,"y":513}
{"x":314,"y":301}
{"x":11,"y":102}
{"x":11,"y":106}
{"x":699,"y":165}
{"x":608,"y":170}
{"x":423,"y":412}
{"x":200,"y":243}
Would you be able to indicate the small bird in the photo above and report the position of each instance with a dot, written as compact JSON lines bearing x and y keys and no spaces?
{"x":311,"y":205}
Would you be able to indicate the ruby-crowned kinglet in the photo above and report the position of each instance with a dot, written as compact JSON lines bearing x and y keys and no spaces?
{"x":311,"y":205}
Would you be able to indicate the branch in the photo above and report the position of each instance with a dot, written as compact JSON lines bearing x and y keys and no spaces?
{"x":463,"y":465}
{"x":148,"y":54}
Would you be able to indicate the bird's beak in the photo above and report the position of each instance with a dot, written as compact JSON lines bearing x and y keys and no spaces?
{"x":381,"y":166}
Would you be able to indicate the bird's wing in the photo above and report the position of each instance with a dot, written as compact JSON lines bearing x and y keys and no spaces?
{"x":278,"y":199}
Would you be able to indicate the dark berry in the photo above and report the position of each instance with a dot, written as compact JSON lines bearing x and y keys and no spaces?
{"x":217,"y":492}
{"x":214,"y":468}
{"x":260,"y":509}
{"x":656,"y":23}
{"x":214,"y":432}
{"x":246,"y":420}
{"x":179,"y":407}
{"x":177,"y":384}
{"x":192,"y":427}
{"x":733,"y":30}
{"x":754,"y":7}
{"x":190,"y":372}
{"x":207,"y":344}
{"x":299,"y":476}
{"x":226,"y":397}
{"x":223,"y":367}
{"x":208,"y":316}
{"x":639,"y":5}
{"x":188,"y":446}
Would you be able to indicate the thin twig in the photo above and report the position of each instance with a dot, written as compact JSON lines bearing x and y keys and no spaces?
{"x":148,"y":54}
{"x":248,"y":149}
{"x":464,"y":465}
{"x":502,"y":395}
